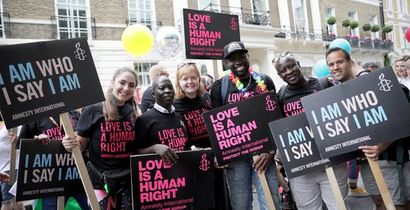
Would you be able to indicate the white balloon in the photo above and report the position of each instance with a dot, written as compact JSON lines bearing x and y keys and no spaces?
{"x":168,"y":41}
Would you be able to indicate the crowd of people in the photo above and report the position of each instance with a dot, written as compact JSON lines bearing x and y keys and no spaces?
{"x":177,"y":108}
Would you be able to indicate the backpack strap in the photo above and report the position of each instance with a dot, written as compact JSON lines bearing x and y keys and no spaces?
{"x":224,"y":88}
{"x":281,"y":93}
{"x":323,"y":82}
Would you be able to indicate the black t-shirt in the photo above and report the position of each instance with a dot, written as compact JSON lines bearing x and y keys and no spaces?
{"x":111,"y":143}
{"x":49,"y":126}
{"x":235,"y":95}
{"x":147,"y":100}
{"x":154,"y":127}
{"x":291,"y":104}
{"x":191,"y":110}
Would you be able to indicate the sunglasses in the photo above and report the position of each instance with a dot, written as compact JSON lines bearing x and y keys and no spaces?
{"x":185,"y":64}
{"x":283,"y":54}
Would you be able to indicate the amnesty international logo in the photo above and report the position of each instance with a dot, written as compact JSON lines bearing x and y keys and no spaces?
{"x":205,"y":164}
{"x":270,"y":104}
{"x":79,"y":53}
{"x":384,"y":84}
{"x":234,"y":24}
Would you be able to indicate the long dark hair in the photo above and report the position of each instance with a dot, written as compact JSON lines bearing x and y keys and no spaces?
{"x":110,"y":110}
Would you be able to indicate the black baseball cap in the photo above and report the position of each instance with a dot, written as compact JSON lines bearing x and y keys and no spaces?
{"x":234,"y":47}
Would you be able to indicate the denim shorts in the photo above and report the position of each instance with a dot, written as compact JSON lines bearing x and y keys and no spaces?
{"x":5,"y":195}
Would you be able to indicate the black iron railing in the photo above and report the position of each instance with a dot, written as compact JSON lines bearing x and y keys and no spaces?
{"x":248,"y":16}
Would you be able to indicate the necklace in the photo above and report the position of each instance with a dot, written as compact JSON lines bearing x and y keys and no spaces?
{"x":260,"y":83}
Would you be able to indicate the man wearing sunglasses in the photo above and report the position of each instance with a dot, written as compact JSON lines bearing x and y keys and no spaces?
{"x":309,"y":189}
{"x":241,"y":83}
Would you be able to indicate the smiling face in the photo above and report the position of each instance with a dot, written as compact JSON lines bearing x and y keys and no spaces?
{"x":123,"y":87}
{"x":339,"y":66}
{"x":289,"y":70}
{"x":189,"y":83}
{"x":163,"y":92}
{"x":238,"y":63}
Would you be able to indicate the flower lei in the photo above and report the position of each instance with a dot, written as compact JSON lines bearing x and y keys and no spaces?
{"x":261,"y":86}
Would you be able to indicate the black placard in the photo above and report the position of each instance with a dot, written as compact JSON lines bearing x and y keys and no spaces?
{"x":187,"y":184}
{"x":43,"y":79}
{"x":207,"y":33}
{"x":46,"y":170}
{"x":364,"y":111}
{"x":296,"y":146}
{"x":241,"y":130}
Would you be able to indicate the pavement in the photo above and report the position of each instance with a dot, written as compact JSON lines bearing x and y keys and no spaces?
{"x":352,"y":203}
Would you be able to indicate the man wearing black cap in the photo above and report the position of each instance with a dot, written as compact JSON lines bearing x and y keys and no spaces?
{"x":241,"y":83}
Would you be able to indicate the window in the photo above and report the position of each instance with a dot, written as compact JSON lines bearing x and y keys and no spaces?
{"x":299,"y":15}
{"x":329,"y":12}
{"x":72,"y":19}
{"x":142,"y":70}
{"x":353,"y":16}
{"x":373,"y":20}
{"x":2,"y":35}
{"x":142,"y":11}
{"x":404,"y":43}
{"x":209,"y":5}
{"x":402,"y":6}
{"x":389,"y":7}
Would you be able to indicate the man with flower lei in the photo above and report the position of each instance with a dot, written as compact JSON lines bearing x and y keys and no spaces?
{"x":241,"y":83}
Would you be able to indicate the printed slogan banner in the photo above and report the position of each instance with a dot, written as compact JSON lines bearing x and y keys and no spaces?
{"x":365,"y":111}
{"x":241,"y":130}
{"x":296,"y":146}
{"x":41,"y":79}
{"x":46,"y":170}
{"x":187,"y":184}
{"x":206,"y":33}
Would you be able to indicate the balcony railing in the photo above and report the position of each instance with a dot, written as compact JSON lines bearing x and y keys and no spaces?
{"x":77,"y":24}
{"x":4,"y":24}
{"x":248,"y":16}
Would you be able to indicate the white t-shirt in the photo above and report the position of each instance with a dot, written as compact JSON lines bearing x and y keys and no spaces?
{"x":5,"y":146}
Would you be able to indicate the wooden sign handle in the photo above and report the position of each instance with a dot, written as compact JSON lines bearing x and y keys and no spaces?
{"x":381,"y":184}
{"x":60,"y":202}
{"x":335,"y":188}
{"x":79,"y":161}
{"x":13,"y":158}
{"x":265,"y":187}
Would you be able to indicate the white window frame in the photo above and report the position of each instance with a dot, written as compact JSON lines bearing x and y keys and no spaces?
{"x":389,"y":8}
{"x":404,"y":44}
{"x":143,"y":73}
{"x":355,"y":18}
{"x":3,"y":35}
{"x":134,"y":11}
{"x":73,"y":32}
{"x":201,"y":5}
{"x":402,"y":9}
{"x":333,"y":13}
{"x":306,"y":26}
{"x":374,"y":20}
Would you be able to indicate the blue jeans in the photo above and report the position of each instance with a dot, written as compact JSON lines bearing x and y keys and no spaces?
{"x":6,"y":197}
{"x":240,"y":175}
{"x":50,"y":203}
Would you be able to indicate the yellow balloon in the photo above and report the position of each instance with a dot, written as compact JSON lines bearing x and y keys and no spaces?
{"x":137,"y":39}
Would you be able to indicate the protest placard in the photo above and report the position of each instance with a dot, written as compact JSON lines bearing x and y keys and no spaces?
{"x":365,"y":111}
{"x":46,"y":170}
{"x":240,"y":130}
{"x":187,"y":184}
{"x":207,"y":33}
{"x":42,"y":79}
{"x":296,"y":146}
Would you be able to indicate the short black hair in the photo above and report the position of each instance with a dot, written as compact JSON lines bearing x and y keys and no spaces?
{"x":335,"y":49}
